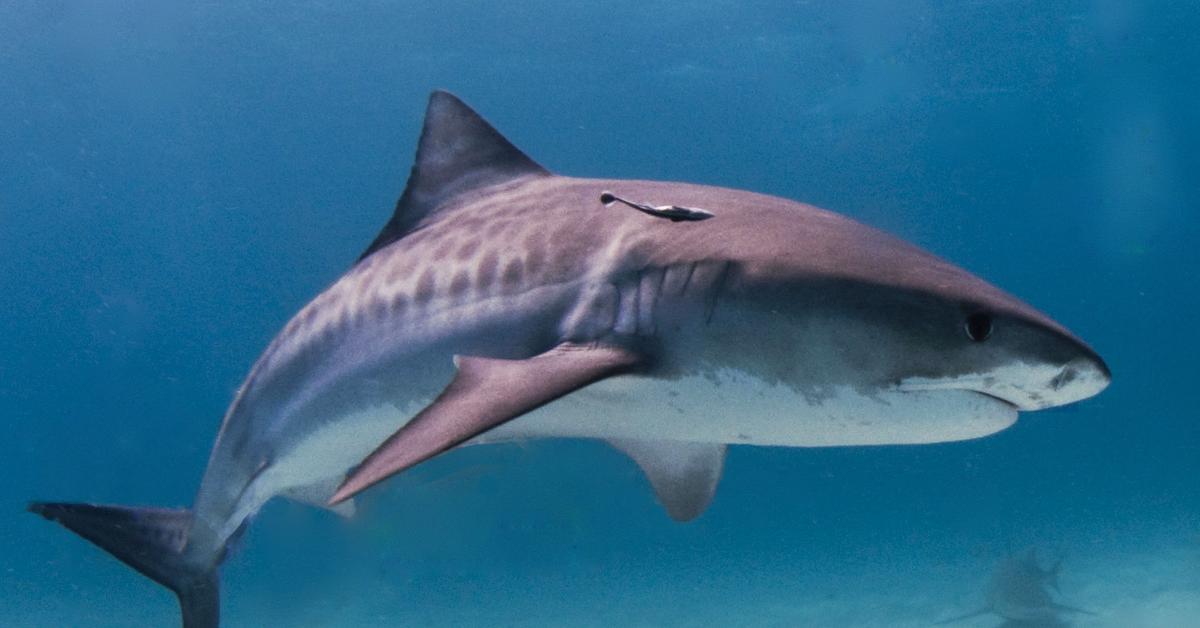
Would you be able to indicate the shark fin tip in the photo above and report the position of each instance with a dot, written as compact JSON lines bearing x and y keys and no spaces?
{"x":343,"y":493}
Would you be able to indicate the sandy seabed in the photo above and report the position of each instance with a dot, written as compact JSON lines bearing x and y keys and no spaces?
{"x":1148,"y":587}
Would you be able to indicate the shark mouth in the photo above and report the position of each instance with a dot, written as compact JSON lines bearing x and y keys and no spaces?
{"x":1028,"y":386}
{"x":996,"y":397}
{"x":975,"y":386}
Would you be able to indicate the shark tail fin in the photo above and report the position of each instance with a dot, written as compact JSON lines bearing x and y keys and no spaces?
{"x":151,"y":540}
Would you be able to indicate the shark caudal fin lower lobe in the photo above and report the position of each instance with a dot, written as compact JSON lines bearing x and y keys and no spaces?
{"x":150,"y":540}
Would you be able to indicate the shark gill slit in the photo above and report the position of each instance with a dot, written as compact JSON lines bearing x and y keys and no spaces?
{"x":675,"y":278}
{"x":714,"y":290}
{"x":627,"y":309}
{"x":649,"y":285}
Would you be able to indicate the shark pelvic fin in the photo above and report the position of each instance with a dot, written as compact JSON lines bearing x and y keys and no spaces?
{"x":684,"y":475}
{"x":151,"y":540}
{"x":483,"y":394}
{"x":458,"y":152}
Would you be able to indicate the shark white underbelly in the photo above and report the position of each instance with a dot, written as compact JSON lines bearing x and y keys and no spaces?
{"x":725,"y":407}
{"x":735,"y":407}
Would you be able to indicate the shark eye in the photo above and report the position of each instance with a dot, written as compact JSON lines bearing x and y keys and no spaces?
{"x":978,"y":326}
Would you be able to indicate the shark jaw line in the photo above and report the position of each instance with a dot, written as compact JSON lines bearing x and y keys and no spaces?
{"x":1027,"y":384}
{"x":954,"y":386}
{"x":967,"y":386}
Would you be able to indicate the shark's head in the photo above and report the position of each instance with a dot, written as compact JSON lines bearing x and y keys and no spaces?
{"x":881,"y":314}
{"x":992,"y":344}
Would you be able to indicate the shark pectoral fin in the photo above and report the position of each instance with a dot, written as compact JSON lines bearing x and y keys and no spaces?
{"x":684,"y":475}
{"x":483,"y":394}
{"x":317,"y":494}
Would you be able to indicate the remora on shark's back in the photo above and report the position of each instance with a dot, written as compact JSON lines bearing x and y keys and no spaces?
{"x":670,"y":319}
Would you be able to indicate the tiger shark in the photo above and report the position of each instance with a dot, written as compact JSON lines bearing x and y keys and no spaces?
{"x":505,"y":302}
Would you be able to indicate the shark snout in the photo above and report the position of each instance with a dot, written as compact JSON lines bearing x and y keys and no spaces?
{"x":1026,"y":386}
{"x":1049,"y":386}
{"x":1079,"y":379}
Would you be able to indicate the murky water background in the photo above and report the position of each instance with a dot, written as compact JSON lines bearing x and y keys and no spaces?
{"x":175,"y":182}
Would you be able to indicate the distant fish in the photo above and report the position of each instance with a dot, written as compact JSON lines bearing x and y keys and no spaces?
{"x":1019,"y":592}
{"x":505,"y":302}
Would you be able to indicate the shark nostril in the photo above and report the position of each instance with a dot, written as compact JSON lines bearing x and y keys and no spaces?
{"x":1067,"y":375}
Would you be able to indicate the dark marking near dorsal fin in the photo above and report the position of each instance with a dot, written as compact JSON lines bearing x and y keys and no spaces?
{"x":458,"y":152}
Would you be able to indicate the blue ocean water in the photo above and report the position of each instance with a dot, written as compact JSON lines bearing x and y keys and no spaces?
{"x":175,"y":182}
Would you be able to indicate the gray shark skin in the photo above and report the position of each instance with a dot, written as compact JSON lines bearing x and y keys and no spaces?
{"x":671,"y":324}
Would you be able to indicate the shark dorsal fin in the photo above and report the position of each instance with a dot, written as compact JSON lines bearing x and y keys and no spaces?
{"x":458,"y":152}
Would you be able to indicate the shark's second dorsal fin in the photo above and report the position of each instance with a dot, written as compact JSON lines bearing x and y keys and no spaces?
{"x":458,"y":152}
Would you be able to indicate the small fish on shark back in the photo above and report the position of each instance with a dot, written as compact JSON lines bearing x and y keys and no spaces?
{"x":502,"y":303}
